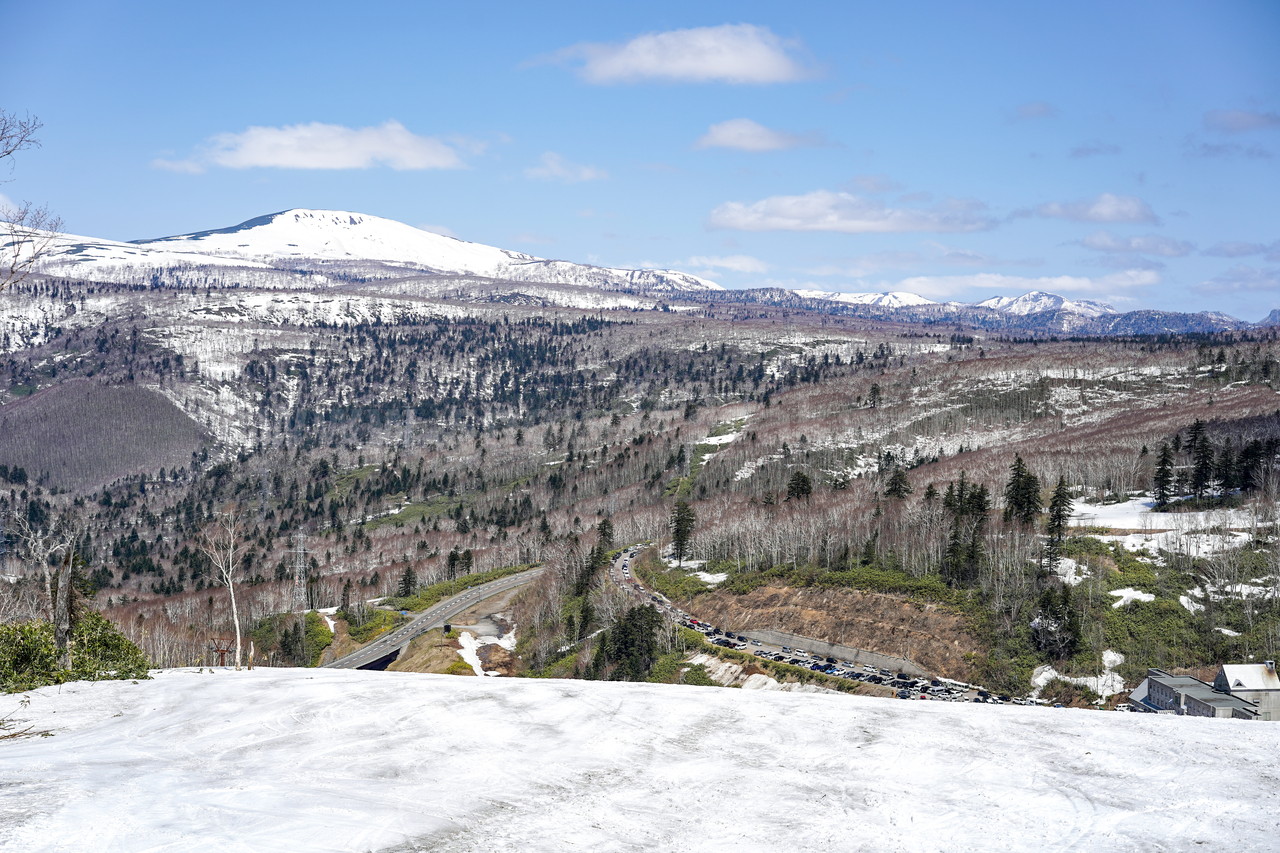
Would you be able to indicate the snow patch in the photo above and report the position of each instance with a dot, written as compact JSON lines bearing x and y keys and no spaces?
{"x":1128,"y":594}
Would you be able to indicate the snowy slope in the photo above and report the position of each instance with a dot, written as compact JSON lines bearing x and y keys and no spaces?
{"x":891,"y":299}
{"x":289,"y":760}
{"x":1037,"y":301}
{"x":280,"y":243}
{"x":343,"y":236}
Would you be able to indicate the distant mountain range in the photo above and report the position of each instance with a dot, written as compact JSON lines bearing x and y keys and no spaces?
{"x":316,"y":249}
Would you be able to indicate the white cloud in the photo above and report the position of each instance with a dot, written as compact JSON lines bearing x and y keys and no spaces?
{"x":1107,"y":207}
{"x":734,"y":263}
{"x":443,"y":230}
{"x":553,"y":167}
{"x":845,"y":213}
{"x":320,"y":146}
{"x":746,"y":135}
{"x":730,"y":53}
{"x":1239,"y":121}
{"x":945,"y":286}
{"x":1151,"y":244}
{"x":1243,"y":279}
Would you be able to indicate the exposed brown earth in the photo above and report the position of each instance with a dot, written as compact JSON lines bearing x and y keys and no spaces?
{"x":929,"y":635}
{"x":430,"y":652}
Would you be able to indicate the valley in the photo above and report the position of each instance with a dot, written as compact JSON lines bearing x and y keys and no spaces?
{"x":381,"y":402}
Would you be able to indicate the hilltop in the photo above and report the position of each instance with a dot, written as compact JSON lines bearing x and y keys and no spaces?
{"x":358,"y":761}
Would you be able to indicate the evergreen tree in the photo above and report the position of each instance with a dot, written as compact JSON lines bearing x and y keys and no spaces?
{"x":1162,"y":481}
{"x":408,"y":582}
{"x":1202,"y":466}
{"x":898,"y":486}
{"x":1059,"y":512}
{"x":1021,"y":494}
{"x":799,"y":486}
{"x":683,"y":520}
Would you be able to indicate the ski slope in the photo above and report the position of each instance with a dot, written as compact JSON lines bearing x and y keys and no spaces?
{"x":329,"y":760}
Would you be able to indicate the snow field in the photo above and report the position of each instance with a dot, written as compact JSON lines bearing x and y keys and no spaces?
{"x":333,"y":760}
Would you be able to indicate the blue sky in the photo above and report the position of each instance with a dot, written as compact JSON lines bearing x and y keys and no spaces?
{"x":1126,"y":152}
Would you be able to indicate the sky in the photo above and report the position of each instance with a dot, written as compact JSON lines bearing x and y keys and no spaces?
{"x":1121,"y":152}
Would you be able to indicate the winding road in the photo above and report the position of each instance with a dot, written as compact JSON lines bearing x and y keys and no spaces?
{"x":433,"y":617}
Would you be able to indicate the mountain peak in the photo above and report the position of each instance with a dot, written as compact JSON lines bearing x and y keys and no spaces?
{"x":1036,"y":301}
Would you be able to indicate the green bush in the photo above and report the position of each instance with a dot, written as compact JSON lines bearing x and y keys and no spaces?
{"x":29,"y":657}
{"x":375,"y":625}
{"x":319,"y":637}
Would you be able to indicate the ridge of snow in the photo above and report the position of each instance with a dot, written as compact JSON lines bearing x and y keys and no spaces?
{"x":279,"y":240}
{"x":1036,"y":301}
{"x":887,"y":299}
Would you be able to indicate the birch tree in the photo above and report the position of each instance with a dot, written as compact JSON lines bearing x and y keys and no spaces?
{"x":26,"y":230}
{"x":222,"y":542}
{"x":50,"y":549}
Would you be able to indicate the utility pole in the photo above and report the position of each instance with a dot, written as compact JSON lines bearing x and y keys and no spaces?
{"x":300,"y":572}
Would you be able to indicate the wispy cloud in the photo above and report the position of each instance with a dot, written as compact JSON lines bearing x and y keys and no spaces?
{"x":442,"y":230}
{"x":1243,"y":279}
{"x":730,"y":53}
{"x":1094,"y":149}
{"x":1194,"y":147}
{"x":1237,"y":249}
{"x":1035,"y":109}
{"x":846,"y":213}
{"x":1150,"y":244}
{"x":553,"y":167}
{"x":733,"y":263}
{"x":747,"y":135}
{"x":1107,"y":207}
{"x":875,"y":183}
{"x":319,"y":146}
{"x":1114,"y":286}
{"x":1240,"y":121}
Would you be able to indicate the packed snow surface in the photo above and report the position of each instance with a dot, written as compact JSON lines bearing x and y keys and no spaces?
{"x":334,"y":760}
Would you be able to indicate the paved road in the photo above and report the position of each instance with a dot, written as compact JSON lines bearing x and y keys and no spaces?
{"x":620,"y":572}
{"x":433,"y":617}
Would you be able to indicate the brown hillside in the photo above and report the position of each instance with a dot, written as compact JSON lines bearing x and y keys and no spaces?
{"x":933,"y":638}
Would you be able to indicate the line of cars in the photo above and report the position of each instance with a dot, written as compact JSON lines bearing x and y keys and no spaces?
{"x":905,"y":685}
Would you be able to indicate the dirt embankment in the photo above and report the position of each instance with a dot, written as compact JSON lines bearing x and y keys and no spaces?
{"x":933,"y":638}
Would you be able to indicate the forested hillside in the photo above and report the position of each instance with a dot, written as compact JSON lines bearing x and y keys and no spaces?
{"x":386,"y":437}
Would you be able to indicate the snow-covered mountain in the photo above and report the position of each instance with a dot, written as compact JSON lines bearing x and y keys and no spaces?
{"x":1037,"y":301}
{"x":888,"y":299}
{"x":319,"y":239}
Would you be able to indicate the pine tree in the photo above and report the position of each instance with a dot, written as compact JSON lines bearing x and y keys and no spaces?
{"x":408,"y":582}
{"x":1059,"y":511}
{"x":1162,"y":481}
{"x":683,"y":520}
{"x":1022,"y":494}
{"x":898,"y":486}
{"x":1202,"y":467}
{"x":799,"y":486}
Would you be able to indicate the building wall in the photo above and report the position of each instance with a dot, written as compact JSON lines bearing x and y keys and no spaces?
{"x":1268,"y":702}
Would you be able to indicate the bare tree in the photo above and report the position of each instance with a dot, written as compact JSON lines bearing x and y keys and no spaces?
{"x":26,"y":230}
{"x":222,"y":542}
{"x":50,"y":549}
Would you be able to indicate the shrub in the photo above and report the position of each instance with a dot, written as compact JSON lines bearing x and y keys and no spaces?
{"x":29,"y":658}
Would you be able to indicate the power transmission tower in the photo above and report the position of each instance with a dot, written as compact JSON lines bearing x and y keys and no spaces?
{"x":300,"y":572}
